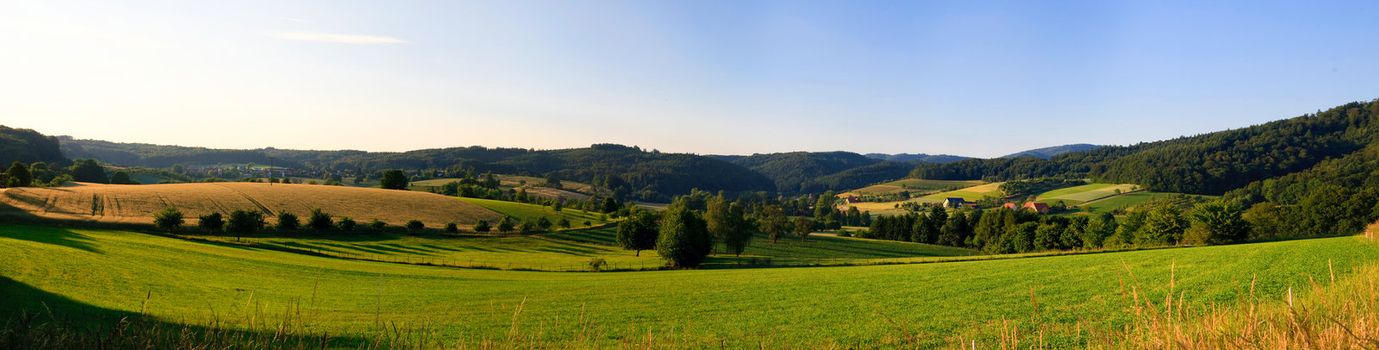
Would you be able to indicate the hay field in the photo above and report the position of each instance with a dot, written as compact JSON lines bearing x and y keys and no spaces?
{"x":137,"y":203}
{"x":1086,"y":193}
{"x":970,"y":193}
{"x":915,"y":186}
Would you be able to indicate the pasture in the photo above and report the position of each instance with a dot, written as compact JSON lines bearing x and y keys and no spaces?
{"x":1127,"y":200}
{"x":1085,"y":193}
{"x":572,"y":250}
{"x":534,"y":186}
{"x":973,"y":193}
{"x":137,"y":203}
{"x":1058,"y":301}
{"x":533,"y":212}
{"x":915,"y":186}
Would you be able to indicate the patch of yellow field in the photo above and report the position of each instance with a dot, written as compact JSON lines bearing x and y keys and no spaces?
{"x":137,"y":203}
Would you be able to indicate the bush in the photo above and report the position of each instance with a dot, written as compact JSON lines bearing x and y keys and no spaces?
{"x":544,"y":223}
{"x":505,"y":225}
{"x":168,"y":219}
{"x":564,"y":223}
{"x":597,"y":264}
{"x":378,"y":225}
{"x":452,"y":228}
{"x":245,"y":221}
{"x":526,"y":226}
{"x":346,"y":224}
{"x":288,"y":221}
{"x":212,"y":221}
{"x":415,"y":225}
{"x":320,"y":221}
{"x":121,"y":178}
{"x":844,"y":234}
{"x":482,"y":226}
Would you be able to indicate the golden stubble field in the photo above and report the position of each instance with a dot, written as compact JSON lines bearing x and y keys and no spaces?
{"x":137,"y":203}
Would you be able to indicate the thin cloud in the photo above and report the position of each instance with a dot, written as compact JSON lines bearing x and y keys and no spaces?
{"x":350,"y":39}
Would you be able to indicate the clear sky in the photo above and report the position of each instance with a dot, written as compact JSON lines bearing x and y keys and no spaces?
{"x":737,"y":77}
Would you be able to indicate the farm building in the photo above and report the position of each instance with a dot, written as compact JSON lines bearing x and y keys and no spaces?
{"x":1010,"y":205}
{"x":1037,"y":207}
{"x":954,"y":202}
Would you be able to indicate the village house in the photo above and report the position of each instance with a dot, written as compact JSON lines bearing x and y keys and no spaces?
{"x":1037,"y":207}
{"x":954,"y":202}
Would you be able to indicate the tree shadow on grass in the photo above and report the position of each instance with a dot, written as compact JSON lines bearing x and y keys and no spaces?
{"x":33,"y":318}
{"x":51,"y":235}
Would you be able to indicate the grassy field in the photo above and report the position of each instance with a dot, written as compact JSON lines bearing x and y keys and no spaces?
{"x":571,"y":190}
{"x":1086,"y":193}
{"x":572,"y":250}
{"x":1061,"y":301}
{"x":915,"y":186}
{"x":1125,"y":201}
{"x":137,"y":203}
{"x":972,"y":193}
{"x":533,"y":212}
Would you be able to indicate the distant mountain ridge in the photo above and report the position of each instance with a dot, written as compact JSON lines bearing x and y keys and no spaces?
{"x":1050,"y":152}
{"x":915,"y":158}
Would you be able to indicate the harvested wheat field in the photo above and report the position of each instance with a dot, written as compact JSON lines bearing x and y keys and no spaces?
{"x":137,"y":203}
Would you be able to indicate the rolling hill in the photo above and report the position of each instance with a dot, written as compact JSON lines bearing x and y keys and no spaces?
{"x":915,"y":158}
{"x":26,"y":145}
{"x":819,"y":171}
{"x":1050,"y":152}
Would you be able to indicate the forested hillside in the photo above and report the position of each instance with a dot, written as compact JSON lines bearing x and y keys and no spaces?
{"x":1050,"y":152}
{"x":1210,"y":163}
{"x":916,"y":158}
{"x":819,"y":171}
{"x":25,"y":145}
{"x":629,"y":172}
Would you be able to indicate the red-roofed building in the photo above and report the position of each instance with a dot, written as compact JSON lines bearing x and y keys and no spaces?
{"x":1037,"y":207}
{"x":1010,"y":205}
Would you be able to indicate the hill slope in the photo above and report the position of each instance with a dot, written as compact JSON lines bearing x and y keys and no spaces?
{"x":820,"y":171}
{"x":627,"y":171}
{"x":1210,"y":163}
{"x":25,"y":145}
{"x":1050,"y":152}
{"x":137,"y":203}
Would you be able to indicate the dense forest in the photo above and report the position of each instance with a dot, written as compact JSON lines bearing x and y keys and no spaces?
{"x":795,"y":172}
{"x":1212,"y":163}
{"x":1050,"y":152}
{"x":916,"y":158}
{"x":28,"y":146}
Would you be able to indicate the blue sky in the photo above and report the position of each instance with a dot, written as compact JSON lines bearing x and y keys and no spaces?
{"x":740,"y":77}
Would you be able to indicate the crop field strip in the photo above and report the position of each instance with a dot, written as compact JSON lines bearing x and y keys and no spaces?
{"x":137,"y":203}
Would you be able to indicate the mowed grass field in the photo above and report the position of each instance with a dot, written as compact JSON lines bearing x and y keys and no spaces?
{"x":569,"y":190}
{"x":1059,"y":301}
{"x":915,"y":186}
{"x":972,"y":193}
{"x":1085,"y":193}
{"x":1127,"y":200}
{"x":533,"y":212}
{"x":572,"y":250}
{"x":137,"y":203}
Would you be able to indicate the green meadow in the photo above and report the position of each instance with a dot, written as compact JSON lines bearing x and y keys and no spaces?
{"x":1062,"y":301}
{"x":532,"y":212}
{"x":1126,"y":200}
{"x":573,"y":250}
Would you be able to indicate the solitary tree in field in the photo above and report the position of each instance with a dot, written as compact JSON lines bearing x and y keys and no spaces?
{"x":684,"y":238}
{"x":803,"y":227}
{"x":544,"y":223}
{"x":739,"y":234}
{"x":18,"y":175}
{"x":321,"y":221}
{"x":415,"y":226}
{"x":482,"y":226}
{"x":394,"y":180}
{"x":506,"y":225}
{"x":212,"y":221}
{"x":288,"y":221}
{"x":347,"y":224}
{"x":244,"y":222}
{"x":452,"y":228}
{"x":168,"y":219}
{"x":563,"y":223}
{"x":773,"y":222}
{"x":638,"y":232}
